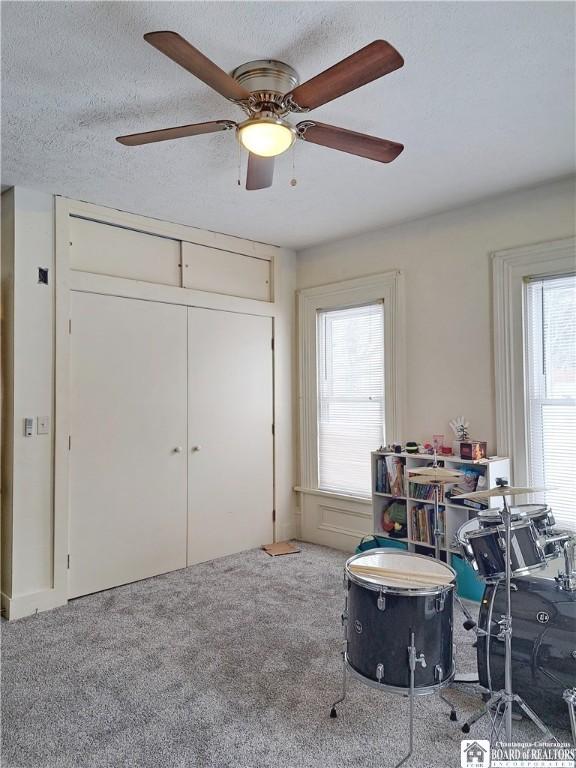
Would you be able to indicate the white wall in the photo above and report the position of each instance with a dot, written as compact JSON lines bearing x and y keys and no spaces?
{"x":449,"y":349}
{"x":28,"y":540}
{"x":34,"y":548}
{"x":446,"y":262}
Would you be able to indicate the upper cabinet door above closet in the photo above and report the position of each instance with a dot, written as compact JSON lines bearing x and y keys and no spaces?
{"x":104,"y":249}
{"x":218,"y":271}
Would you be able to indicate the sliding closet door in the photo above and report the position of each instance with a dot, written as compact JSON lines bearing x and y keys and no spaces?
{"x":128,"y":441}
{"x":230,"y":481}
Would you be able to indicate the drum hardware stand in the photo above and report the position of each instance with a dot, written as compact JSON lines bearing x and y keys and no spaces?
{"x":412,"y":661}
{"x":469,"y":623}
{"x":569,"y":697}
{"x":333,"y":712}
{"x":567,"y":580}
{"x":503,"y":701}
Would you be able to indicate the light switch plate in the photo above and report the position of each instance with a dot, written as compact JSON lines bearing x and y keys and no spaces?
{"x":42,"y":425}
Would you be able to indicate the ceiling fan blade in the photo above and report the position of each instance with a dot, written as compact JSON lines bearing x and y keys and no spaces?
{"x":180,"y":51}
{"x":361,"y":144}
{"x":260,"y":172}
{"x":166,"y":134}
{"x":373,"y":61}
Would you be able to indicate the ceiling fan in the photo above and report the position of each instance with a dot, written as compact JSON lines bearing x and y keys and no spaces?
{"x":267,"y":91}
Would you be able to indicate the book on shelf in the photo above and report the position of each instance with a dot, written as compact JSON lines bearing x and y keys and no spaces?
{"x":382,"y":484}
{"x":424,"y":492}
{"x":422,"y":523}
{"x":395,"y":474}
{"x":472,"y":504}
{"x":390,"y":475}
{"x":473,"y":479}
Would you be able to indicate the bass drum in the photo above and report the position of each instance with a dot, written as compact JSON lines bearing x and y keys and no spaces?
{"x":543,"y":644}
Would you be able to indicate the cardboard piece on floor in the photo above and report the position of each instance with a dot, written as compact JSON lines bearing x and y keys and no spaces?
{"x":281,"y":548}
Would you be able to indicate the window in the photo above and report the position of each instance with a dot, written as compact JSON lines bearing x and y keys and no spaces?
{"x":351,"y":352}
{"x":550,"y":376}
{"x":350,"y":369}
{"x":535,"y":367}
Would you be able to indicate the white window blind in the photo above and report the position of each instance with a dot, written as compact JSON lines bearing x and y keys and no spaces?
{"x":550,"y":338}
{"x":350,"y":367}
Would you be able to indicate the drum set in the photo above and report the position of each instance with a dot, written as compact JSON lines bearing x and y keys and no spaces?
{"x":399,"y":609}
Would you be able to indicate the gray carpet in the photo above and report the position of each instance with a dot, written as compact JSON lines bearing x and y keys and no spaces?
{"x":230,"y":663}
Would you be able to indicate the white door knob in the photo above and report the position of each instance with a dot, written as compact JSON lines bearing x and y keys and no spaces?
{"x":196,"y":448}
{"x":178,"y":449}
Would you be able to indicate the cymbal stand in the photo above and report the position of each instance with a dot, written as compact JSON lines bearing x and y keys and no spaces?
{"x":438,"y":534}
{"x":499,"y":706}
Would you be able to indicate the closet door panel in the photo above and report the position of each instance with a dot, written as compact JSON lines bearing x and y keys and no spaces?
{"x":230,"y":412}
{"x":128,"y":499}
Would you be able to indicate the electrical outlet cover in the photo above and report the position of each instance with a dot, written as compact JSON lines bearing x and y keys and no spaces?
{"x":42,"y":425}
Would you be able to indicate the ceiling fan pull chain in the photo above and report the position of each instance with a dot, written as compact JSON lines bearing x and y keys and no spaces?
{"x":293,"y":180}
{"x":239,"y":165}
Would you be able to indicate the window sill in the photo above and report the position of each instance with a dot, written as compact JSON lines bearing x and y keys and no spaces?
{"x":334,"y":495}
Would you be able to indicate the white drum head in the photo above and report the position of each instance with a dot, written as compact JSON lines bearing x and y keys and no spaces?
{"x":403,"y":570}
{"x":529,"y":510}
{"x":470,"y":527}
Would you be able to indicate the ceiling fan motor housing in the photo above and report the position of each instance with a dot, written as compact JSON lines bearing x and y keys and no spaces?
{"x":267,"y":80}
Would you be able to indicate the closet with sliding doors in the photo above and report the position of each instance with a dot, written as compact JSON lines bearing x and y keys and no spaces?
{"x":171,"y":404}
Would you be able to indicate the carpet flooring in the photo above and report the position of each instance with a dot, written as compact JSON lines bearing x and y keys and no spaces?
{"x":234,"y":662}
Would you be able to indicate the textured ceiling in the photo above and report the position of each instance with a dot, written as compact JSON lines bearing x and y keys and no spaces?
{"x":484,"y":104}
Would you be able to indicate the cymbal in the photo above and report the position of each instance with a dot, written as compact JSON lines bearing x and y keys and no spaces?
{"x":500,"y":490}
{"x":436,"y":471}
{"x":437,"y":478}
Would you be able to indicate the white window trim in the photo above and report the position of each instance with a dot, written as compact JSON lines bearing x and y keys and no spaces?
{"x":387,"y":286}
{"x":510,"y":270}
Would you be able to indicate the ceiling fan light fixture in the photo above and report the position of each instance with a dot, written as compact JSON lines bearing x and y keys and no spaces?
{"x":266,"y":136}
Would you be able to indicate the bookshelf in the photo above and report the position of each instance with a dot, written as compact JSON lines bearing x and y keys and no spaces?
{"x":419,"y":510}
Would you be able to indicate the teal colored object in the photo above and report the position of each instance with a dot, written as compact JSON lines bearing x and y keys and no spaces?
{"x":469,"y":585}
{"x":374,"y":542}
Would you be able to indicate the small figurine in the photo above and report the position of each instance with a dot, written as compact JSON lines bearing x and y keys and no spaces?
{"x":461,"y":428}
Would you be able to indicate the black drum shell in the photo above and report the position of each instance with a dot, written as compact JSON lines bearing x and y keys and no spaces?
{"x":382,"y":636}
{"x":543,"y":644}
{"x":488,"y":553}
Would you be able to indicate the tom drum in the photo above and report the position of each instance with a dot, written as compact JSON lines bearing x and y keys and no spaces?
{"x":412,"y":594}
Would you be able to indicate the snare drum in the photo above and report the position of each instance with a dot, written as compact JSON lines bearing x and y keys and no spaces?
{"x":483,"y":546}
{"x":539,"y":514}
{"x":382,"y":612}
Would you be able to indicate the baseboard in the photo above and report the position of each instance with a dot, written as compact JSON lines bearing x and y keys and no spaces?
{"x":27,"y":605}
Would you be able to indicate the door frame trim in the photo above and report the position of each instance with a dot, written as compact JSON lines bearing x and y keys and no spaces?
{"x":67,"y":279}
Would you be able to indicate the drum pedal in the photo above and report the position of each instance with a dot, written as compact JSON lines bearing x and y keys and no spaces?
{"x":469,"y":624}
